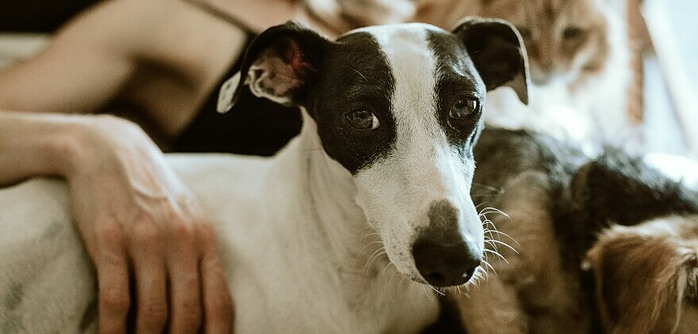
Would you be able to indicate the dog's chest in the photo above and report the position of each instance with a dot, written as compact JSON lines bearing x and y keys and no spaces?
{"x":282,"y":271}
{"x":296,"y":286}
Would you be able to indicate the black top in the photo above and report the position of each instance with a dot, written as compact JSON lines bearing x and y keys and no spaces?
{"x":253,"y":125}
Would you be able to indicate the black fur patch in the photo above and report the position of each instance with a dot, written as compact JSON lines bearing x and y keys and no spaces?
{"x":356,"y":77}
{"x":457,"y":78}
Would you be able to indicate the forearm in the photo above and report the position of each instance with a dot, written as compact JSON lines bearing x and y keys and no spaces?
{"x":36,"y":145}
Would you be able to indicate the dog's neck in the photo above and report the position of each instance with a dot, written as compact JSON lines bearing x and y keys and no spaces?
{"x":342,"y":235}
{"x":331,"y":202}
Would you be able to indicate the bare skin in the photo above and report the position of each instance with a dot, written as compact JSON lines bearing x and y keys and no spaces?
{"x":136,"y":218}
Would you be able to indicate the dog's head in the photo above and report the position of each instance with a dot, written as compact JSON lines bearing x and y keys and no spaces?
{"x":400,"y":107}
{"x":647,"y":276}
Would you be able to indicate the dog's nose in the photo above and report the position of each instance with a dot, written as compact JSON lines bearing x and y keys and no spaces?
{"x":445,"y":265}
{"x":440,"y":252}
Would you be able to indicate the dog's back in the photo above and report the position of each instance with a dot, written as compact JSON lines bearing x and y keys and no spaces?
{"x":46,"y":280}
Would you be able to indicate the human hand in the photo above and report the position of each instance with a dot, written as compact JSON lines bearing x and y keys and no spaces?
{"x":137,"y":219}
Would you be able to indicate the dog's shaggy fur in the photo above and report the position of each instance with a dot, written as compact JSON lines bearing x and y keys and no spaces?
{"x":647,"y":276}
{"x":578,"y":254}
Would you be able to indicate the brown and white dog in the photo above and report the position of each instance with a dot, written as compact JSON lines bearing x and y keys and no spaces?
{"x":587,"y":245}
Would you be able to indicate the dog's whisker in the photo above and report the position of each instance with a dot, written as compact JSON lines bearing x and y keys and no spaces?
{"x":489,"y":237}
{"x":424,"y":288}
{"x":505,"y":245}
{"x":369,"y":245}
{"x":390,"y":286}
{"x":369,"y":264}
{"x":474,"y":281}
{"x":499,"y":256}
{"x":489,"y":242}
{"x":483,"y":274}
{"x":359,"y":73}
{"x":376,"y":254}
{"x":498,"y":240}
{"x":386,"y":267}
{"x":490,"y":267}
{"x":491,"y":209}
{"x":479,"y":205}
{"x":506,"y":235}
{"x":496,"y":190}
{"x":368,"y":235}
{"x":436,"y":290}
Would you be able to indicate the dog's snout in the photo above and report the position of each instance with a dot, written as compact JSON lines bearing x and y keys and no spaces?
{"x":440,"y":252}
{"x":443,"y":265}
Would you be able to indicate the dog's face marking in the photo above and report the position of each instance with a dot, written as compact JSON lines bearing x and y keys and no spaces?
{"x":400,"y":108}
{"x":458,"y":83}
{"x":360,"y":90}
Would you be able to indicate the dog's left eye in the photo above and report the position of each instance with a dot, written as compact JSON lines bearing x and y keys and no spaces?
{"x":463,"y":107}
{"x":362,"y":119}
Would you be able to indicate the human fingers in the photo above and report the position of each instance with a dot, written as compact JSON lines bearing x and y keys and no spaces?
{"x":112,"y":273}
{"x":218,"y":305}
{"x":185,"y":291}
{"x":146,"y":250}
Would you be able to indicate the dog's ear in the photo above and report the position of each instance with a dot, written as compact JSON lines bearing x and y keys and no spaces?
{"x":278,"y":65}
{"x":498,"y":53}
{"x":644,"y":282}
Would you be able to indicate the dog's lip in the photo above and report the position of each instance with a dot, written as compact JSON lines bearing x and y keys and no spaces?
{"x":421,"y":280}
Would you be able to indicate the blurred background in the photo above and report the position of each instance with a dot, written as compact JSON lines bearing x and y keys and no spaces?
{"x":663,"y":41}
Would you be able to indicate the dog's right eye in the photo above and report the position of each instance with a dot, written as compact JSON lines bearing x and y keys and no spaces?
{"x":463,"y":107}
{"x":362,"y":119}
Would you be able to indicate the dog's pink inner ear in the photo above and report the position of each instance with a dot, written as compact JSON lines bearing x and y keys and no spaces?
{"x":293,"y":55}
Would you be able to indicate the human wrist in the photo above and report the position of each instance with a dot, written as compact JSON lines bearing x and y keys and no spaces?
{"x":61,"y":148}
{"x":68,"y":147}
{"x":33,"y":144}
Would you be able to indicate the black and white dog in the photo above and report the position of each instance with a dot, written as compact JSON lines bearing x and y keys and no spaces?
{"x":375,"y":186}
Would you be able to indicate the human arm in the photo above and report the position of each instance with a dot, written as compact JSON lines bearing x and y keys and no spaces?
{"x":133,"y":214}
{"x":139,"y":223}
{"x":120,"y":188}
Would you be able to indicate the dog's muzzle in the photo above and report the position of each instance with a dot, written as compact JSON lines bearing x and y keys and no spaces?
{"x":441,"y":253}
